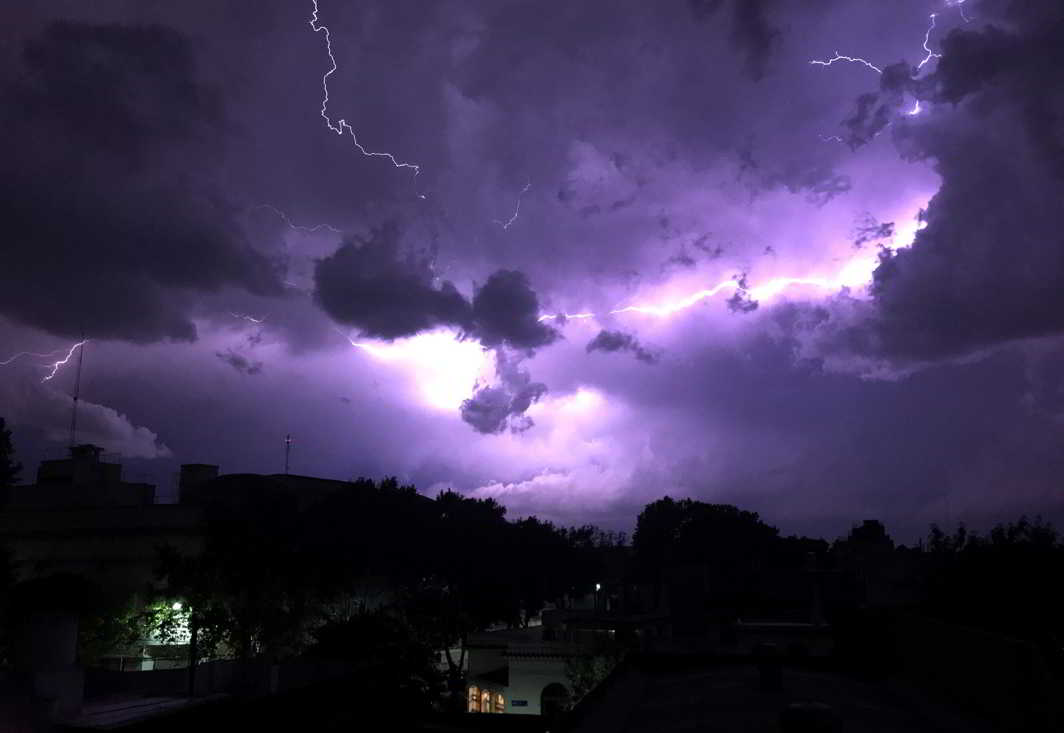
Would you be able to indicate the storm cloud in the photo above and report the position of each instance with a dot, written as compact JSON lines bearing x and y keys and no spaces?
{"x":372,"y":285}
{"x":110,"y":208}
{"x":617,"y":161}
{"x":620,"y":341}
{"x":987,"y":266}
{"x":498,"y":407}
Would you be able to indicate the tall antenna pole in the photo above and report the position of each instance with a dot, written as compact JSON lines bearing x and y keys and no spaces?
{"x":77,"y":394}
{"x":287,"y":450}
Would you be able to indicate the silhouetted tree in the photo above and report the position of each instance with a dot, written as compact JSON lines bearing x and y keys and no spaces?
{"x":731,"y":543}
{"x":256,"y":584}
{"x":1007,"y":581}
{"x":394,"y":661}
{"x":9,"y":468}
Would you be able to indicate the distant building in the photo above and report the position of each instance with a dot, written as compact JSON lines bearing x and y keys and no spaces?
{"x":81,"y":517}
{"x":528,"y":671}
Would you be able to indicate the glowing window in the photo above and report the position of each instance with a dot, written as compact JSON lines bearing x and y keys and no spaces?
{"x":500,"y":704}
{"x":474,"y":699}
{"x":485,"y":701}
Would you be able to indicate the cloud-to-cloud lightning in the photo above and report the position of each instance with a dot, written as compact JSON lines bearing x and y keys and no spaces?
{"x":929,"y":54}
{"x":19,"y":355}
{"x":959,"y":4}
{"x":62,"y":362}
{"x":855,"y":274}
{"x":341,"y":126}
{"x":52,"y":367}
{"x":851,"y":59}
{"x":297,"y":227}
{"x":246,"y":317}
{"x":517,"y":209}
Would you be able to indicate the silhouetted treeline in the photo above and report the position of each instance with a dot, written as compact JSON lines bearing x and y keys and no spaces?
{"x":277,"y":577}
{"x":376,"y":573}
{"x":1007,"y":581}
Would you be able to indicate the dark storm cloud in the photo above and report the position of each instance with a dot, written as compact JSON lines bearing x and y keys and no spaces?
{"x":112,"y":222}
{"x":810,"y":175}
{"x":869,"y":229}
{"x":240,"y":362}
{"x":506,"y":310}
{"x":741,"y":301}
{"x":988,"y":267}
{"x":620,"y":341}
{"x":385,"y":293}
{"x":495,"y":408}
{"x":751,"y":30}
{"x":370,"y":284}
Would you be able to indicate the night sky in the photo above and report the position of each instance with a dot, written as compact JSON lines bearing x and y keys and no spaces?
{"x":573,"y":256}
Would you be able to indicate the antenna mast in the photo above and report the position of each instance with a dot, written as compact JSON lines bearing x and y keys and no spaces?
{"x":287,"y":450}
{"x":77,"y":394}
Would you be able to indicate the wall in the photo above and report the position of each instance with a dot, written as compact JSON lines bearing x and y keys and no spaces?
{"x":528,"y":677}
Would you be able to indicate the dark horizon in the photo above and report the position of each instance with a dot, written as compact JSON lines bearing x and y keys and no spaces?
{"x":800,"y":259}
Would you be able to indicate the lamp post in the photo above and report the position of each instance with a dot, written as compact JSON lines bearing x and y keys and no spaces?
{"x":193,"y":633}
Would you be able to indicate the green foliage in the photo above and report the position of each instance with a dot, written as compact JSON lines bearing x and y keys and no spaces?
{"x":586,"y":671}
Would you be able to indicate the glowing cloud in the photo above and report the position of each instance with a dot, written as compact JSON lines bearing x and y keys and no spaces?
{"x":444,"y":367}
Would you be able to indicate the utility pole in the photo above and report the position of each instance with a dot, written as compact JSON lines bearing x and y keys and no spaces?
{"x":287,"y":451}
{"x":77,"y":394}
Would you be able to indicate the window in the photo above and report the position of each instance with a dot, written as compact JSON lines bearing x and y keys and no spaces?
{"x":500,"y":703}
{"x":474,"y":699}
{"x":485,"y":701}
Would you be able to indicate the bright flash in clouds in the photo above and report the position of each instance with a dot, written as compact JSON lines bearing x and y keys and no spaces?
{"x":442,"y":368}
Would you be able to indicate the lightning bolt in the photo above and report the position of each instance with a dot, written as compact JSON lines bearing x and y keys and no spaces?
{"x":760,"y":292}
{"x":56,"y":366}
{"x":865,"y":62}
{"x":245,"y":317}
{"x":927,"y":37}
{"x":297,"y":227}
{"x":851,"y":59}
{"x":566,"y":316}
{"x":929,"y":54}
{"x":959,"y":4}
{"x":21,"y":354}
{"x":341,"y":126}
{"x":517,"y":209}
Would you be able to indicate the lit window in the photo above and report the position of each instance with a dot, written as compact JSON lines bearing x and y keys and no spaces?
{"x":500,"y":703}
{"x":474,"y":699}
{"x":485,"y":701}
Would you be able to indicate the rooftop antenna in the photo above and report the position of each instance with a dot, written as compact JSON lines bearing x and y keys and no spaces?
{"x":77,"y":394}
{"x":287,"y":451}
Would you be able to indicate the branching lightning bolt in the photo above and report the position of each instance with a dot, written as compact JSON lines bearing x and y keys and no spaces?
{"x":341,"y":126}
{"x":846,"y":278}
{"x":851,"y":59}
{"x":517,"y":209}
{"x":21,"y":354}
{"x":767,"y":290}
{"x":927,"y":38}
{"x":297,"y":227}
{"x":56,"y":366}
{"x":929,"y":54}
